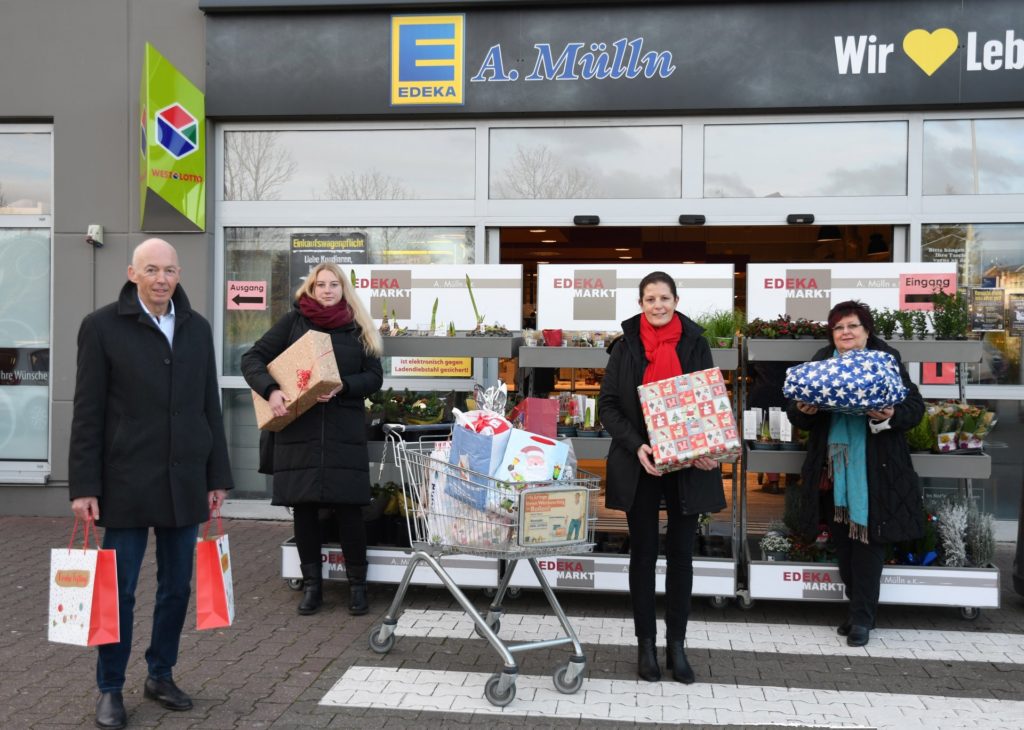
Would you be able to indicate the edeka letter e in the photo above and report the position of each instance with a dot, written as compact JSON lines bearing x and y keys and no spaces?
{"x":427,"y":59}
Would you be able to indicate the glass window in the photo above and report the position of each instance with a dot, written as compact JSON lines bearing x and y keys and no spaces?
{"x":269,"y":256}
{"x":973,"y":156}
{"x":586,"y":162}
{"x":829,"y":159}
{"x":25,"y":173}
{"x":24,"y":344}
{"x":991,"y":256}
{"x":406,"y":164}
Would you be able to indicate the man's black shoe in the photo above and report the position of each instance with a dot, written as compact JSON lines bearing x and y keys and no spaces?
{"x":166,"y":692}
{"x":110,"y":712}
{"x":858,"y":635}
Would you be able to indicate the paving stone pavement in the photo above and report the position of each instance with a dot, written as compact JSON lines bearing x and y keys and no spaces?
{"x":274,"y":669}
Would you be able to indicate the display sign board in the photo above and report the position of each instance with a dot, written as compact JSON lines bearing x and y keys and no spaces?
{"x":600,"y":297}
{"x":309,"y":250}
{"x":172,"y":148}
{"x":408,"y":292}
{"x":432,"y":367}
{"x":246,"y":294}
{"x":610,"y":573}
{"x":988,"y":310}
{"x":1016,"y":314}
{"x":810,"y":291}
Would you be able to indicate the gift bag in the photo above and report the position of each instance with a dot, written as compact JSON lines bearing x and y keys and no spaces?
{"x":83,"y":594}
{"x":215,"y":596}
{"x":537,"y":415}
{"x":479,"y":453}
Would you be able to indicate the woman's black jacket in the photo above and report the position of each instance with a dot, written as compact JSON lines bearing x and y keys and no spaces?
{"x":321,"y":456}
{"x":895,"y":508}
{"x":619,"y":408}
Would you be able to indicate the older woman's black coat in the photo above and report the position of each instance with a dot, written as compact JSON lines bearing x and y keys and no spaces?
{"x":619,"y":407}
{"x":321,"y":456}
{"x":895,"y":509}
{"x":147,"y":436}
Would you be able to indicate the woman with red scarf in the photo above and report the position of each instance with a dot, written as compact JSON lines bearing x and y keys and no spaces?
{"x":320,"y":459}
{"x":656,"y":344}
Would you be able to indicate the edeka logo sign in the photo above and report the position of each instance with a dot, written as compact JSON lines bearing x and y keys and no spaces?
{"x":177,"y":131}
{"x":808,"y":292}
{"x":390,"y":291}
{"x":929,"y":51}
{"x":569,"y":572}
{"x":593,"y":293}
{"x":427,"y":59}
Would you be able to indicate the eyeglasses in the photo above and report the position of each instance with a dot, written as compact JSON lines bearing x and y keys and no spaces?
{"x":844,"y":327}
{"x":151,"y":272}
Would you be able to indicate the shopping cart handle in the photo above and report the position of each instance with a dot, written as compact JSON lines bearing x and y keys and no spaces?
{"x":390,"y":428}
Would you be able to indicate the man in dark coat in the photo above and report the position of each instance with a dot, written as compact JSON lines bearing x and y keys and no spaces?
{"x":147,"y":450}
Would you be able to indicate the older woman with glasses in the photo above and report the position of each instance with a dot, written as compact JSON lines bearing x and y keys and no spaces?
{"x":859,"y":475}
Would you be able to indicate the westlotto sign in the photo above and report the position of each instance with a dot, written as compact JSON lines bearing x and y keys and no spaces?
{"x":593,"y":293}
{"x":427,"y":59}
{"x":811,"y":290}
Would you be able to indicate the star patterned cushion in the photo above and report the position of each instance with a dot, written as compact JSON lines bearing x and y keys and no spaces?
{"x":856,"y":382}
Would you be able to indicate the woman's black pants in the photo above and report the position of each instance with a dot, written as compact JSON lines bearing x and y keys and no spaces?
{"x":642,"y":519}
{"x":860,"y":567}
{"x":351,"y":529}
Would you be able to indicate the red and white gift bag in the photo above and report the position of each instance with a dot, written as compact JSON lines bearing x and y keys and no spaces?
{"x":215,"y":595}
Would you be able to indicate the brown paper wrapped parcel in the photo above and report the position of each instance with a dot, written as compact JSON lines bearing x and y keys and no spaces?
{"x":305,"y":371}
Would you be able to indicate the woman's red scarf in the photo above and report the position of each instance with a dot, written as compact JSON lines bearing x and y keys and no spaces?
{"x":327,"y":318}
{"x":660,"y":348}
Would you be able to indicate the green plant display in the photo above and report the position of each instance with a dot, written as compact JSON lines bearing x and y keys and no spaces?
{"x":920,"y":320}
{"x":905,"y":321}
{"x":951,"y":316}
{"x":885,"y":322}
{"x":472,"y":300}
{"x":719,"y":324}
{"x":920,"y":437}
{"x":433,"y":317}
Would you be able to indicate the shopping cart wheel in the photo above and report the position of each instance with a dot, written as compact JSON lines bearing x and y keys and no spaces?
{"x":567,"y":686}
{"x":718,"y":601}
{"x":495,"y":626}
{"x":969,"y":613}
{"x":382,"y":639}
{"x":514,"y":592}
{"x":295,"y":584}
{"x":494,"y":695}
{"x":745,"y":602}
{"x":490,"y":592}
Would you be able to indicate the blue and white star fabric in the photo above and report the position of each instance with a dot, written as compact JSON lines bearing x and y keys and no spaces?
{"x":855,"y":382}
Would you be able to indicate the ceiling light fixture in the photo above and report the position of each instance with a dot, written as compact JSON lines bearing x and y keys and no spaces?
{"x":548,"y":240}
{"x":538,"y":230}
{"x":622,"y":249}
{"x":626,"y":258}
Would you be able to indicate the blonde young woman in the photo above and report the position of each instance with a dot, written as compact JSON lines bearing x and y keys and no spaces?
{"x":320,"y":458}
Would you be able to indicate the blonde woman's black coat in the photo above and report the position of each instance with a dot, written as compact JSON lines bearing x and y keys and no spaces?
{"x":321,"y":456}
{"x":619,"y":409}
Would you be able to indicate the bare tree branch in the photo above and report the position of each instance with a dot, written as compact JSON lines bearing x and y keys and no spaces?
{"x":255,"y":166}
{"x":372,"y":185}
{"x":537,"y":173}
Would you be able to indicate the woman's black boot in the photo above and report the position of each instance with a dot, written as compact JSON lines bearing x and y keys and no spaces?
{"x":312,"y":589}
{"x":647,"y":659}
{"x":678,"y":664}
{"x":357,"y":602}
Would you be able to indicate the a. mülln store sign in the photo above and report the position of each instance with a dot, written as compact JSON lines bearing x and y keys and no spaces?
{"x":491,"y":58}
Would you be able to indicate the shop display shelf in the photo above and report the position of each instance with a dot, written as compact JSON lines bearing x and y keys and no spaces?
{"x":944,"y":466}
{"x":929,"y":350}
{"x":462,"y":345}
{"x":596,"y":357}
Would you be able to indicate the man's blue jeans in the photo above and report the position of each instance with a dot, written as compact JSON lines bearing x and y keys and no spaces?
{"x":175,"y":547}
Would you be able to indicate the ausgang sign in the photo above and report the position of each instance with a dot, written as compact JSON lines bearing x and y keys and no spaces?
{"x":589,"y":58}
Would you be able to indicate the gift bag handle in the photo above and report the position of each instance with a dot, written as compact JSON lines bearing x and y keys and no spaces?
{"x":215,"y":512}
{"x":85,"y":534}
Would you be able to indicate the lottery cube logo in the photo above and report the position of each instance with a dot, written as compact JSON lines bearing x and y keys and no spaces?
{"x":177,"y":131}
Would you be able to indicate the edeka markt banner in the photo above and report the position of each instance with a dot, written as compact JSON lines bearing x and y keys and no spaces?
{"x":599,"y":297}
{"x":172,"y":154}
{"x":408,"y":292}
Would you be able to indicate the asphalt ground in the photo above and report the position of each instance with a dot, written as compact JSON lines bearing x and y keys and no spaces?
{"x":775,"y":664}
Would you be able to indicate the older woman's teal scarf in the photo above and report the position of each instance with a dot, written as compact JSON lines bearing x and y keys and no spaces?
{"x":847,"y":463}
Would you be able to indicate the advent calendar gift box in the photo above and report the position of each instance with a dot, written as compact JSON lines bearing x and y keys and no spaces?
{"x":855,"y":382}
{"x":687,"y":417}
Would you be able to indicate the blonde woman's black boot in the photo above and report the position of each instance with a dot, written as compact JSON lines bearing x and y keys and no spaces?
{"x":312,"y":589}
{"x":677,"y":663}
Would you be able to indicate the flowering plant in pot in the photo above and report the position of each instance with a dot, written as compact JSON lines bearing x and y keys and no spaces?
{"x":775,"y":546}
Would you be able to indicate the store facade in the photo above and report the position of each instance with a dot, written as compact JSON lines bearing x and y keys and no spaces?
{"x":437,"y":134}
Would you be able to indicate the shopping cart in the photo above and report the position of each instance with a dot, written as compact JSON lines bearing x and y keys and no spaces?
{"x":452,"y":510}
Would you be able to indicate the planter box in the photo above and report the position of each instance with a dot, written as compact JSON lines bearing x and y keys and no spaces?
{"x":597,"y":357}
{"x":901,"y":584}
{"x":939,"y":466}
{"x":785,"y":350}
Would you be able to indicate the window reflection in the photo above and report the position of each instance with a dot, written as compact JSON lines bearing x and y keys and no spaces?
{"x":264,"y":255}
{"x":25,"y":173}
{"x":586,"y":162}
{"x":973,"y":156}
{"x":989,"y":255}
{"x":405,"y":164}
{"x":805,"y":160}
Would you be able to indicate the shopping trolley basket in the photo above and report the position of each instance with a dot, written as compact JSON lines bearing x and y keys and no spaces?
{"x":451,"y":510}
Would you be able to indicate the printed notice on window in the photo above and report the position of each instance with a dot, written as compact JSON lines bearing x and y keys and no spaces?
{"x":553,"y":516}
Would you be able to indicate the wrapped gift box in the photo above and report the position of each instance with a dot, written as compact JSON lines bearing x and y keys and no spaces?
{"x":687,"y":417}
{"x":855,"y":382}
{"x":304,"y":372}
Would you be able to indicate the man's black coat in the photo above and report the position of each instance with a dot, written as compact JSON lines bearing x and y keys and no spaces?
{"x":147,"y":436}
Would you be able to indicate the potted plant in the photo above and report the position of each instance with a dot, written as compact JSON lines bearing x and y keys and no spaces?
{"x":905,"y":321}
{"x":720,"y":327}
{"x":775,"y":546}
{"x":885,"y":322}
{"x":950,"y":315}
{"x":920,"y":320}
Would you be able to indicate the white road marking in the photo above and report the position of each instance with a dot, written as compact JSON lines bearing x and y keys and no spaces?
{"x":667,"y":702}
{"x":921,"y":645}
